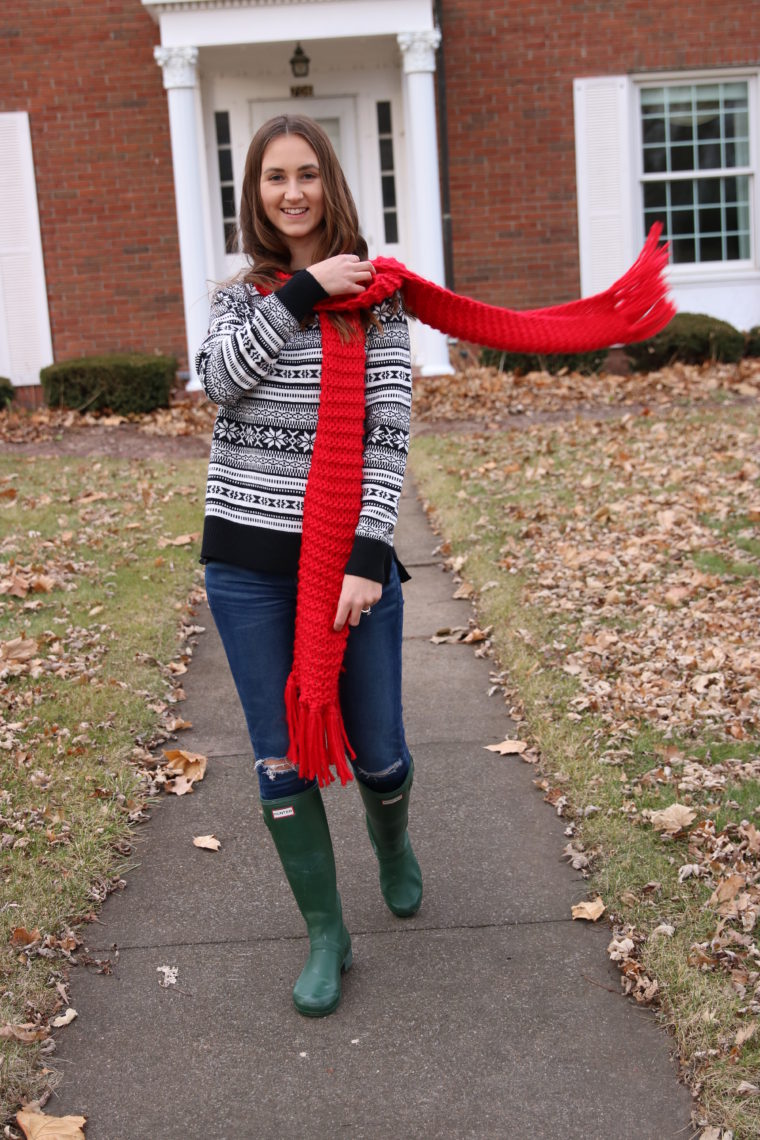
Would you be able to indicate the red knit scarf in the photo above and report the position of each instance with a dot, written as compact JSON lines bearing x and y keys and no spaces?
{"x":634,"y":308}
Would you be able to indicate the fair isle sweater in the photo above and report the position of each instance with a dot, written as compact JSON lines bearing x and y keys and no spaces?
{"x":261,"y":363}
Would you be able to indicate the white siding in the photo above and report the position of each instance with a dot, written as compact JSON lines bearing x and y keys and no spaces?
{"x":25,"y":342}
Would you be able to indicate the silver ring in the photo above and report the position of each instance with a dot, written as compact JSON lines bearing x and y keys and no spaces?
{"x":368,"y":610}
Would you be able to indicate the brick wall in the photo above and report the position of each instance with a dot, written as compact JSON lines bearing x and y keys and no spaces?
{"x":84,"y":71}
{"x":509,"y":84}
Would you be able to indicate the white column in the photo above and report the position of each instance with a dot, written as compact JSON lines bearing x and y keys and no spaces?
{"x":180,"y":80}
{"x":418,"y":52}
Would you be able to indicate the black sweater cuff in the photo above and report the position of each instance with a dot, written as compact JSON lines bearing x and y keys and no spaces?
{"x":370,"y":558}
{"x":300,"y":294}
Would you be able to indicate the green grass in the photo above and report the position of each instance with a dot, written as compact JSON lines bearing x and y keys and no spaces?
{"x":67,"y":787}
{"x":494,"y":505}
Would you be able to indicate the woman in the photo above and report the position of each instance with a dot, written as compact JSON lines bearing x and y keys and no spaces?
{"x":261,"y":363}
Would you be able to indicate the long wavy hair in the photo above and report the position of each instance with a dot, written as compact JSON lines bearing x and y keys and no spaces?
{"x":264,"y":246}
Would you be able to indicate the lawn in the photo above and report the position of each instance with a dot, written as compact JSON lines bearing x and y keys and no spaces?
{"x":618,"y":561}
{"x":98,"y":561}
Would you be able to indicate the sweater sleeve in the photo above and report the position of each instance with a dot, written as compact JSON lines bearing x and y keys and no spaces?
{"x":388,"y":387}
{"x":246,"y":334}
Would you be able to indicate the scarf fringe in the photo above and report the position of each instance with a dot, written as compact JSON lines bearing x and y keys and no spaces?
{"x":318,"y":738}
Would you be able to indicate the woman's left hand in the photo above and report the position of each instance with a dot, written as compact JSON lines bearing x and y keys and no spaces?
{"x":357,"y":594}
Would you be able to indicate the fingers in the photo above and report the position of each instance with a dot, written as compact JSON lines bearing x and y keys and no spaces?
{"x":345,"y":273}
{"x":357,"y":594}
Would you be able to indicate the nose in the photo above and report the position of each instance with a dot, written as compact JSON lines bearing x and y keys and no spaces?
{"x":293,"y":191}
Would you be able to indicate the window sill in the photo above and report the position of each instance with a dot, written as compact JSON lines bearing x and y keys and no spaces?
{"x":712,"y":275}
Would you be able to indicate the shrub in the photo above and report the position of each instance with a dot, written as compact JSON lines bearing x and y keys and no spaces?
{"x":121,"y":383}
{"x":692,"y":338}
{"x":522,"y":362}
{"x":752,"y":345}
{"x":7,"y":392}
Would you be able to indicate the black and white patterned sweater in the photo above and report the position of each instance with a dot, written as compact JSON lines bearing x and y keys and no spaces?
{"x":263,"y":370}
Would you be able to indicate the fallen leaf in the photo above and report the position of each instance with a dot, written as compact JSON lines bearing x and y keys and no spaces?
{"x":18,"y":649}
{"x":176,"y":723}
{"x":39,"y":1126}
{"x":745,"y":1088}
{"x":180,"y":540}
{"x":673,"y":819}
{"x":188,"y":767}
{"x":20,"y":936}
{"x":207,"y":842}
{"x":745,"y":1033}
{"x":64,"y":1019}
{"x":590,"y":911}
{"x":508,"y":747}
{"x":26,"y":1033}
{"x":726,"y":890}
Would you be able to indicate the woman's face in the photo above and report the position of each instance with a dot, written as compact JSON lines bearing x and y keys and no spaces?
{"x":292,"y":195}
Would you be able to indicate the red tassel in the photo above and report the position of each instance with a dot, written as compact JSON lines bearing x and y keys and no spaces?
{"x":317,"y":739}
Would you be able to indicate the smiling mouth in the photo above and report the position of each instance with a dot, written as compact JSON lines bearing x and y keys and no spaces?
{"x":296,"y":213}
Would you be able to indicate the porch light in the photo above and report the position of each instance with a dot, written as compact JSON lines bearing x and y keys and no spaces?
{"x":299,"y":63}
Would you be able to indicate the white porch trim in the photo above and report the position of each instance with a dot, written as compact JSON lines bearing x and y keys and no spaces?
{"x":189,"y":25}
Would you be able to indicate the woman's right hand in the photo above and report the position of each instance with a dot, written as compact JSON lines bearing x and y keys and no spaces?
{"x":343,"y":274}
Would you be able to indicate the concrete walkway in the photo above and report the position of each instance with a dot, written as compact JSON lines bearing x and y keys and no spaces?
{"x":489,"y":1014}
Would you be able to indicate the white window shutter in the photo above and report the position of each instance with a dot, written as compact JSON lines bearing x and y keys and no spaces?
{"x":604,"y":172}
{"x":25,"y":342}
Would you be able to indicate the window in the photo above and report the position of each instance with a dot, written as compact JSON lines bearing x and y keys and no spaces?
{"x":226,"y":180}
{"x":387,"y":172}
{"x":696,"y":171}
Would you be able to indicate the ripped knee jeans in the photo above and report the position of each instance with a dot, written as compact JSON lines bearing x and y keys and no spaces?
{"x":254,"y":613}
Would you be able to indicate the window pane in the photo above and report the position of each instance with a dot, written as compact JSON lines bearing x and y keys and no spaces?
{"x":682,"y":158}
{"x":228,"y":202}
{"x":711,"y":221}
{"x":655,"y":195}
{"x":389,"y":191}
{"x":655,"y":160}
{"x":710,"y":249}
{"x":384,"y":118}
{"x":222,"y":120}
{"x":682,"y":193}
{"x":386,"y":154}
{"x":710,"y":158}
{"x":391,"y":226}
{"x":682,"y":223}
{"x":708,"y":191}
{"x":225,"y":165}
{"x":683,"y":251}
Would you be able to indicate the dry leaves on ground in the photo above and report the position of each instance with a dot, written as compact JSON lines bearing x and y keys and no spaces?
{"x":40,"y":1126}
{"x":185,"y":417}
{"x":590,"y":910}
{"x":487,"y":395}
{"x":207,"y":842}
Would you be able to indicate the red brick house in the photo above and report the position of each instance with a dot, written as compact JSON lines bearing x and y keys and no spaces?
{"x":565,"y":128}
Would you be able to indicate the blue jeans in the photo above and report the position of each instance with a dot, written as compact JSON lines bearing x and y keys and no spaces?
{"x":254,"y":613}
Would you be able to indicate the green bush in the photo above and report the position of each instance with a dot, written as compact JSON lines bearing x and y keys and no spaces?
{"x":7,"y":392}
{"x":121,"y":383}
{"x":692,"y":338}
{"x":521,"y":362}
{"x":752,"y":345}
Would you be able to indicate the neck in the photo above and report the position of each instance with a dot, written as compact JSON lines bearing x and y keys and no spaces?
{"x":301,"y":254}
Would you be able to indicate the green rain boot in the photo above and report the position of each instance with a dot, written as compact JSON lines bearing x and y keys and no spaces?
{"x":387,"y":814}
{"x":299,"y":829}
